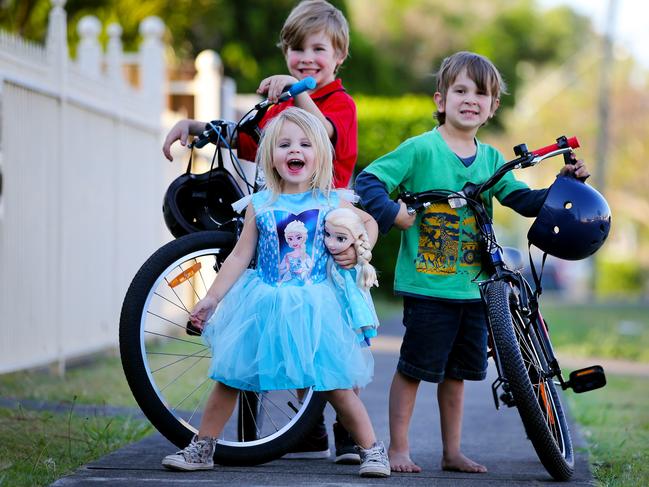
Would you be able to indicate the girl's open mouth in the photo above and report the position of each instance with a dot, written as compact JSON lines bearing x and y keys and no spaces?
{"x":295,"y":165}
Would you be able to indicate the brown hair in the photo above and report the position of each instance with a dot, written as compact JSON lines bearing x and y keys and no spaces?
{"x":312,"y":16}
{"x":480,"y":69}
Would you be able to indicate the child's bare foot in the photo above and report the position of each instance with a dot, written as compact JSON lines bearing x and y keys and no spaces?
{"x":460,"y":463}
{"x":401,"y":462}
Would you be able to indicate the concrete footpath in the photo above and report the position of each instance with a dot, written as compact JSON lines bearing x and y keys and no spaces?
{"x":493,"y":438}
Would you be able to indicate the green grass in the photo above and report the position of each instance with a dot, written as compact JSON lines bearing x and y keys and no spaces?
{"x":614,"y":331}
{"x":79,"y":382}
{"x":39,"y":447}
{"x":615,"y":423}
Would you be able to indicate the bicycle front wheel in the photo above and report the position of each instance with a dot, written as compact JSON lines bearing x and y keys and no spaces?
{"x":535,"y":395}
{"x":166,"y":366}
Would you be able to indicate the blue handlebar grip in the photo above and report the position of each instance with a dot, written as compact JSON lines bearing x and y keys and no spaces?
{"x":307,"y":83}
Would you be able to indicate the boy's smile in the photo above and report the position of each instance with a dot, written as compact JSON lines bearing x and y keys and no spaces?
{"x":316,"y":57}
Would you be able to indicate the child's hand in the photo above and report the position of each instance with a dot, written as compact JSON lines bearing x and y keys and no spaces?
{"x":273,"y":86}
{"x":403,"y":221}
{"x":202,"y":311}
{"x":577,"y":170}
{"x":347,"y":258}
{"x":180,"y":131}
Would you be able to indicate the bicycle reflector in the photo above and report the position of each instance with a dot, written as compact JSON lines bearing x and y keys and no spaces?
{"x":574,"y":221}
{"x":588,"y":379}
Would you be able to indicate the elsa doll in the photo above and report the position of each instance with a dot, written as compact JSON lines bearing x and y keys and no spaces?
{"x":343,"y":228}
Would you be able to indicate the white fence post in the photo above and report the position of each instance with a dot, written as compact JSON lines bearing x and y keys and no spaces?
{"x":57,"y":52}
{"x":89,"y":50}
{"x":152,"y":61}
{"x":114,"y":55}
{"x":207,"y":86}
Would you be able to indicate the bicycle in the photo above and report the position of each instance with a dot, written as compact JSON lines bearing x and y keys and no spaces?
{"x":163,"y":357}
{"x":519,"y":340}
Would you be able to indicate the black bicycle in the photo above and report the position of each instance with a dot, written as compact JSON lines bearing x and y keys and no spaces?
{"x":519,"y":342}
{"x":164,"y":359}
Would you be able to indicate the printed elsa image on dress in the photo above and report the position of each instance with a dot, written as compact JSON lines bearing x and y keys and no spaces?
{"x":296,"y":236}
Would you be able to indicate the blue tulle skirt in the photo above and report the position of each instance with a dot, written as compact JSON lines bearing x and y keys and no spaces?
{"x":265,"y":337}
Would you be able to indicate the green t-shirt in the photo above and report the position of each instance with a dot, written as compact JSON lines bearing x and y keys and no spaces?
{"x":439,"y":255}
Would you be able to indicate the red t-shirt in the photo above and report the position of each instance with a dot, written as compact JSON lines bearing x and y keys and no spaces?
{"x":339,"y":108}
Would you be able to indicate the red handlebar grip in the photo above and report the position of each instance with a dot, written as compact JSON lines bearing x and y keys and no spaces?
{"x":572,"y":142}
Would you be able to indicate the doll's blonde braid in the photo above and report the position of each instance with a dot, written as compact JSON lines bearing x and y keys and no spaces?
{"x":367,"y":277}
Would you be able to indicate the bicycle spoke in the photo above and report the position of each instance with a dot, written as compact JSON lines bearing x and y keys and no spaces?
{"x":171,"y":337}
{"x":267,"y":411}
{"x":253,"y":414}
{"x":184,"y":357}
{"x":182,"y":373}
{"x":181,"y":308}
{"x":178,"y":325}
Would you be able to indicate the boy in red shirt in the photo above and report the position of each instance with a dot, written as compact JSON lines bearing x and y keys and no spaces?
{"x":315,"y":42}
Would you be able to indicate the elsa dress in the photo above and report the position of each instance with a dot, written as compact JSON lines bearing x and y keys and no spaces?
{"x":274,"y":330}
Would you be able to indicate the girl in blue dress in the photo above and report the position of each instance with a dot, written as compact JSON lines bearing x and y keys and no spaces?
{"x":293,"y":332}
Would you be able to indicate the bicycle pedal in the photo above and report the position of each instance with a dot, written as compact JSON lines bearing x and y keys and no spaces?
{"x":587,"y":379}
{"x":191,"y":330}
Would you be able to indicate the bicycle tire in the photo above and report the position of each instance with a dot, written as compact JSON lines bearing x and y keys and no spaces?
{"x":536,"y":397}
{"x":166,"y":368}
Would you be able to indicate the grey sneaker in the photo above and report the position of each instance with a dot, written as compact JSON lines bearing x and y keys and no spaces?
{"x":374,"y":461}
{"x":195,"y":456}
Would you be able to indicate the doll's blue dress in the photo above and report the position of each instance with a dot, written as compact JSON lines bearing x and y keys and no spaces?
{"x":279,"y":326}
{"x":355,"y":300}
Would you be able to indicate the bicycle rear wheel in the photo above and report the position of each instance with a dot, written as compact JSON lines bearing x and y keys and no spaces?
{"x":535,"y":395}
{"x":166,"y":367}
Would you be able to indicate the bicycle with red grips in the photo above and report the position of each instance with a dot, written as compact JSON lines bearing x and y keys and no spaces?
{"x":164,"y":358}
{"x":519,"y":340}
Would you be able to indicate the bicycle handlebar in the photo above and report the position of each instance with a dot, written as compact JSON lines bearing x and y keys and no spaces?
{"x":213,"y":130}
{"x":418,"y":201}
{"x":571,"y":142}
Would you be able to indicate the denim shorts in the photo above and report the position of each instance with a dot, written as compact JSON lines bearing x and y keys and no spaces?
{"x":443,"y":339}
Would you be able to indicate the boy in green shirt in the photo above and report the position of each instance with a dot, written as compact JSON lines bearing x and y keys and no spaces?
{"x":445,"y":340}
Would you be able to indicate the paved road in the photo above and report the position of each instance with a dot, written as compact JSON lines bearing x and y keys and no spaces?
{"x":494,"y":438}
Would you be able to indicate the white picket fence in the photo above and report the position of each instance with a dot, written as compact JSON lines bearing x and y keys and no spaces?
{"x":82,"y":185}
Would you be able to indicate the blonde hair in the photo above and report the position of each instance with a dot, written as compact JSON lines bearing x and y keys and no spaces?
{"x":351,"y":221}
{"x":296,"y":226}
{"x":478,"y":68}
{"x":322,"y":178}
{"x":312,"y":16}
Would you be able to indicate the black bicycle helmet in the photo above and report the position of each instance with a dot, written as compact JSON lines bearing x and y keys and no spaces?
{"x":197,"y":202}
{"x":574,"y":221}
